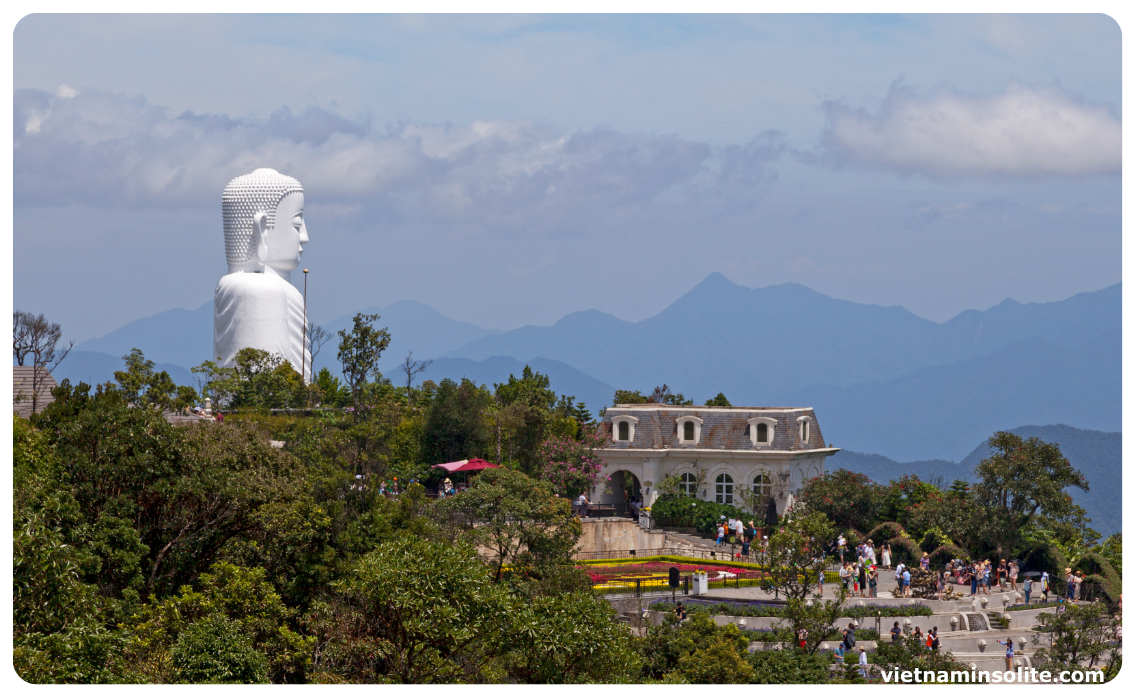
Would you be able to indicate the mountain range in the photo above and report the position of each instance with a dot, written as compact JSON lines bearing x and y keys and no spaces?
{"x":881,"y":378}
{"x":1097,"y":454}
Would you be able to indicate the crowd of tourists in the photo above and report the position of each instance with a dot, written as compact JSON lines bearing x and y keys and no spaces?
{"x":731,"y":530}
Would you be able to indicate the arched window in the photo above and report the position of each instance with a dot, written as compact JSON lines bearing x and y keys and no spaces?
{"x":724,"y":488}
{"x":623,"y":431}
{"x":805,"y":429}
{"x":762,"y":485}
{"x":689,"y":484}
{"x":690,"y":431}
{"x":762,"y":433}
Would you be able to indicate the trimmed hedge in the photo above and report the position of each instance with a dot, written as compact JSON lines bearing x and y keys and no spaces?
{"x":737,"y":609}
{"x":1103,"y":588}
{"x":885,"y":531}
{"x":905,"y":550}
{"x":1093,"y":563}
{"x":947,"y":553}
{"x":1046,"y":557}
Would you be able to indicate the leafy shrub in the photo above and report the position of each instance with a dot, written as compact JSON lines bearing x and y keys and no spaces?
{"x":787,"y":635}
{"x":1093,"y":563}
{"x":215,"y":650}
{"x":686,"y":512}
{"x":884,"y":532}
{"x":790,"y":666}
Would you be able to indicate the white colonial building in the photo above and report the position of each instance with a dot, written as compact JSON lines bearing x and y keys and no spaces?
{"x":714,"y":451}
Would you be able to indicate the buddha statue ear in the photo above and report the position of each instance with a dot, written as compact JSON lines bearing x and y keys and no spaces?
{"x":260,"y":229}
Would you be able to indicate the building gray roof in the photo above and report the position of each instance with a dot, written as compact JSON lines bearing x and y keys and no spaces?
{"x":22,"y":390}
{"x":722,"y":428}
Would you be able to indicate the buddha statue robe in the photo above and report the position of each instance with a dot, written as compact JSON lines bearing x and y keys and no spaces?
{"x":260,"y":310}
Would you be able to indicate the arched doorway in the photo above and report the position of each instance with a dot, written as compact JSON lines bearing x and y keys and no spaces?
{"x":622,"y":486}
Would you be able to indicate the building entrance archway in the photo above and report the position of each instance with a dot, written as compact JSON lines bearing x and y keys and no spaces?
{"x":622,"y":486}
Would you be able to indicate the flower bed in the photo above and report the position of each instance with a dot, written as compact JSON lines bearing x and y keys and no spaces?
{"x":764,"y":609}
{"x":1033,"y":606}
{"x":655,"y":569}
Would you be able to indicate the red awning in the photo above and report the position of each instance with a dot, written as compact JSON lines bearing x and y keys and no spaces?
{"x":466,"y":465}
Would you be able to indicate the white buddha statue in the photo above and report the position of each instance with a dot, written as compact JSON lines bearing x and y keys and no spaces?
{"x":255,"y":305}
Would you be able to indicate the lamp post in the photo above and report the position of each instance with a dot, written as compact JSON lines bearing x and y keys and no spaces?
{"x":305,"y":326}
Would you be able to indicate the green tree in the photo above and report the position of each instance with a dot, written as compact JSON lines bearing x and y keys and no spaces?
{"x":789,"y":666}
{"x":140,"y":383}
{"x":359,"y":354}
{"x":718,"y":401}
{"x":517,"y":519}
{"x":850,"y":499}
{"x":1023,"y":479}
{"x":796,"y":552}
{"x":233,"y":628}
{"x":456,"y":424}
{"x":569,"y":638}
{"x":523,"y":418}
{"x":816,"y":619}
{"x":696,"y":651}
{"x":214,"y":650}
{"x":333,"y":394}
{"x":412,"y":612}
{"x":1077,"y":636}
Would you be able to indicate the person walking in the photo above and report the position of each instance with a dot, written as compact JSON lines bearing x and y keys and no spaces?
{"x":845,"y":577}
{"x":862,"y":580}
{"x":1002,"y":574}
{"x":1068,"y":583}
{"x":719,"y":535}
{"x":906,"y":583}
{"x":974,"y":578}
{"x":841,"y":544}
{"x":746,"y":544}
{"x":873,"y":582}
{"x":1078,"y":579}
{"x":583,"y":504}
{"x":864,"y":668}
{"x":886,"y":556}
{"x":821,"y":577}
{"x":898,"y":576}
{"x":1044,"y":587}
{"x":1028,"y":588}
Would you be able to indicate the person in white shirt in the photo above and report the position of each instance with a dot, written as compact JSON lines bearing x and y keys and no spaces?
{"x":899,"y":576}
{"x":864,"y":668}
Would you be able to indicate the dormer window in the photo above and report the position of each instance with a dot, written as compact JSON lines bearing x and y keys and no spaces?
{"x":805,"y":429}
{"x":625,"y":427}
{"x":689,"y":429}
{"x":761,"y":430}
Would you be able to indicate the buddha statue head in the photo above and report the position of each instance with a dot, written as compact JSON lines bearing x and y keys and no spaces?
{"x":264,"y":224}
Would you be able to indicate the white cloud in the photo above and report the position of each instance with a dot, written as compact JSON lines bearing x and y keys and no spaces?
{"x":97,"y":148}
{"x":1023,"y":132}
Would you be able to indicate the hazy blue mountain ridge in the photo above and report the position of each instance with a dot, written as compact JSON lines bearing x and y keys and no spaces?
{"x":943,"y":411}
{"x":1097,"y":454}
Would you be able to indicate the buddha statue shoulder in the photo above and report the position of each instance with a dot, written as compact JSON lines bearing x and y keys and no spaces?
{"x":255,"y":304}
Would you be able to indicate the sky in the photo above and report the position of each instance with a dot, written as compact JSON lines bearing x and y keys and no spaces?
{"x":507,"y":170}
